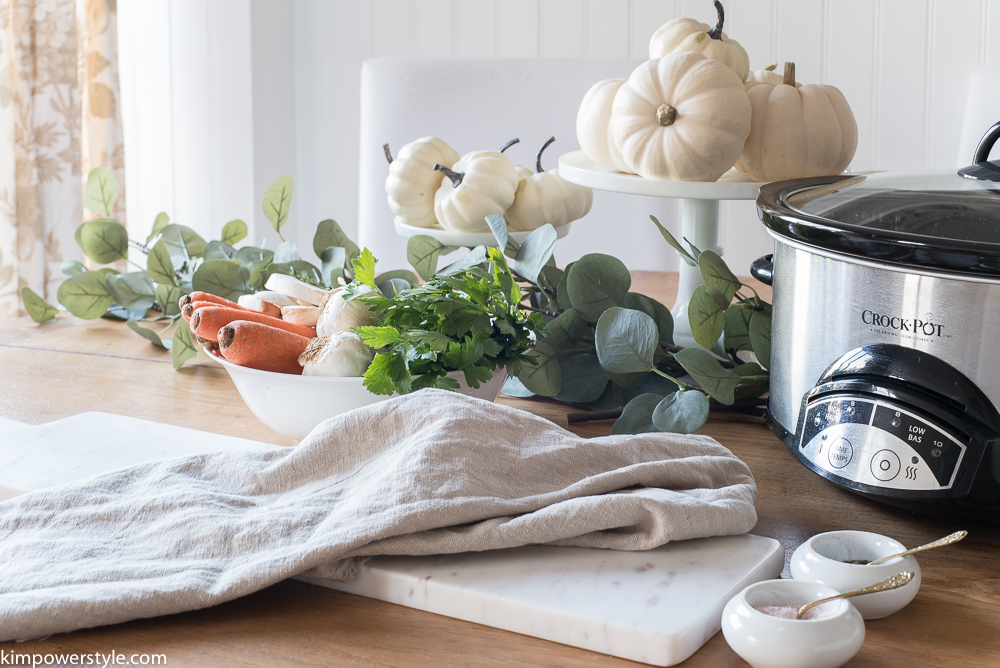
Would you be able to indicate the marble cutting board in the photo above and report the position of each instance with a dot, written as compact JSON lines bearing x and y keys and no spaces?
{"x":656,"y":607}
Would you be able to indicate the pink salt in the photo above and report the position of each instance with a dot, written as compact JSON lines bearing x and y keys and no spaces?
{"x":790,"y":611}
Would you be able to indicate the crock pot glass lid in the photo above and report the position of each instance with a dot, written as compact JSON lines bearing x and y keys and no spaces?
{"x":930,"y":204}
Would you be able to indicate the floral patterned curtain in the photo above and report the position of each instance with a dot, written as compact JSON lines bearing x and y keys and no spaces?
{"x":59,"y":117}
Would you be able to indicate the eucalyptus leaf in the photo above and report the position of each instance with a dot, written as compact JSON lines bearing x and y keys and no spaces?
{"x":473,"y":258}
{"x":224,"y":278}
{"x":628,"y":380}
{"x":287,"y":251}
{"x":596,"y":283}
{"x":737,"y":328}
{"x":625,"y":340}
{"x":583,"y":379}
{"x":750,"y":370}
{"x":277,"y":201}
{"x":252,"y":254}
{"x":122,"y":313}
{"x":393,"y":287}
{"x":566,"y":330}
{"x":133,"y":291}
{"x":513,"y":387}
{"x":168,"y":296}
{"x":562,"y":290}
{"x":147,"y":334}
{"x":219,"y":250}
{"x":685,"y":255}
{"x":706,"y":317}
{"x":182,"y":347}
{"x":159,"y":265}
{"x":72,"y":268}
{"x":259,"y":273}
{"x":657,"y":311}
{"x":714,"y":378}
{"x":545,"y":378}
{"x":162,"y":220}
{"x":85,"y":295}
{"x":683,"y":412}
{"x":101,"y":192}
{"x":717,"y":276}
{"x":422,"y":252}
{"x":637,"y":417}
{"x":760,"y":337}
{"x":36,"y":306}
{"x":613,"y":397}
{"x":333,"y":259}
{"x":104,"y":240}
{"x":653,"y":383}
{"x":535,"y":251}
{"x":233,"y":232}
{"x":498,"y":225}
{"x":404,"y":274}
{"x":329,"y":233}
{"x":183,"y":243}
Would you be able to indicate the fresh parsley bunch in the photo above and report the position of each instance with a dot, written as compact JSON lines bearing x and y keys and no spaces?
{"x":466,"y":320}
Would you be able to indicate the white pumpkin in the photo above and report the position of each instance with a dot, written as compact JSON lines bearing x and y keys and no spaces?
{"x":683,"y":117}
{"x":545,"y":197}
{"x":412,"y":180}
{"x":797,"y":132}
{"x":691,"y":35}
{"x":593,"y":126}
{"x":481,"y":184}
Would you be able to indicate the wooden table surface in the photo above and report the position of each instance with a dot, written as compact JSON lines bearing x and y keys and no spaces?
{"x":71,"y":366}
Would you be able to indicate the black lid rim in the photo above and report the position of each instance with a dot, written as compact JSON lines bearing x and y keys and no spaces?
{"x":897,"y":248}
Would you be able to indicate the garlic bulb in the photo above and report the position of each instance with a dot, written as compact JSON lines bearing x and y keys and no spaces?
{"x":342,"y":354}
{"x":338,"y":315}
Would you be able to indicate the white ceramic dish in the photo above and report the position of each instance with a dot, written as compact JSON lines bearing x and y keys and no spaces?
{"x":294,"y":405}
{"x":765,"y":641}
{"x":453,"y":238}
{"x":821,"y":559}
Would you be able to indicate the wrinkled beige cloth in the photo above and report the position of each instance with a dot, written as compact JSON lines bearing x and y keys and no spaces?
{"x":428,"y":473}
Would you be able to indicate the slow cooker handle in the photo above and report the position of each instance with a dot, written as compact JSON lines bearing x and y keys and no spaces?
{"x":763,"y":267}
{"x":986,"y":144}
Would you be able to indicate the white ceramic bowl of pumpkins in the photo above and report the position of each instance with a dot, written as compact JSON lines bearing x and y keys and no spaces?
{"x":694,"y":111}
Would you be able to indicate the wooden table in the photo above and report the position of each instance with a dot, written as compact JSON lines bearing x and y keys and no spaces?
{"x":71,"y":366}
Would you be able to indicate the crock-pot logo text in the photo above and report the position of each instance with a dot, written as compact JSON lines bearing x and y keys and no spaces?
{"x":912,"y":325}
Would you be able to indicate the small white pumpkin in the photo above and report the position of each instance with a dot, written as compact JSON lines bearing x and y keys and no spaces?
{"x":593,"y":126}
{"x":545,"y":197}
{"x":691,"y":35}
{"x":481,"y":184}
{"x":412,"y":181}
{"x":797,"y":131}
{"x":683,"y":117}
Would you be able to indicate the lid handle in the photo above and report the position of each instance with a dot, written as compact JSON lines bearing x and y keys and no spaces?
{"x":982,"y":169}
{"x":986,"y":144}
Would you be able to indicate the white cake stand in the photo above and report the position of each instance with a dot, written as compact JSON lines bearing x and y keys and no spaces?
{"x":699,"y":215}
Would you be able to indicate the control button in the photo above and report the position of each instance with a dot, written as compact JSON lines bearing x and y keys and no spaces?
{"x":841,"y":452}
{"x":896,"y":422}
{"x":885,"y":465}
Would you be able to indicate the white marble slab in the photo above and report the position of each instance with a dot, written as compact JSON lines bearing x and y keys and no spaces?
{"x":657,"y":606}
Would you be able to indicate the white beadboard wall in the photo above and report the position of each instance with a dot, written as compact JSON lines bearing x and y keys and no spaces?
{"x":220,"y":97}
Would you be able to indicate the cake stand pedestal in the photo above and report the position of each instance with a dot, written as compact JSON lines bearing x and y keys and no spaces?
{"x":699,"y":215}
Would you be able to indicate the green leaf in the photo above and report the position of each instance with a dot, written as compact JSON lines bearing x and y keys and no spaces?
{"x":715,"y":379}
{"x":535,"y":251}
{"x":224,"y":278}
{"x":233,"y":232}
{"x":652,"y":383}
{"x":219,"y":250}
{"x":149,"y":334}
{"x":545,"y":378}
{"x":393,"y":287}
{"x":473,"y":258}
{"x":104,"y":240}
{"x":760,"y":337}
{"x":364,"y":268}
{"x":627,"y":380}
{"x":637,"y":417}
{"x":596,"y":283}
{"x":287,"y":251}
{"x":562,"y":290}
{"x":498,"y":225}
{"x":253,"y":255}
{"x":259,"y":273}
{"x":683,"y":412}
{"x":162,"y":220}
{"x":382,"y":373}
{"x":39,"y":309}
{"x":328,"y":233}
{"x":613,"y":397}
{"x":717,"y":275}
{"x":685,"y":255}
{"x":134,"y":291}
{"x":183,"y":243}
{"x":168,"y":296}
{"x":159,"y":265}
{"x":657,"y":311}
{"x":277,"y":201}
{"x":625,"y":340}
{"x":566,"y":330}
{"x":737,"y":328}
{"x":333,"y":259}
{"x":750,"y":370}
{"x":183,"y":347}
{"x":377,"y":337}
{"x":706,"y":317}
{"x":85,"y":295}
{"x":101,"y":192}
{"x":422,"y":252}
{"x":71,"y":268}
{"x":583,"y":379}
{"x":404,"y":274}
{"x":121,"y":313}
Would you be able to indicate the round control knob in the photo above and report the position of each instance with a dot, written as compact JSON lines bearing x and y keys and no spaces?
{"x":885,"y":465}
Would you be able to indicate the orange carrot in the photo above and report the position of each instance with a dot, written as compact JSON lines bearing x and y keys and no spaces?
{"x":199,"y":296}
{"x":188,"y":309}
{"x":263,"y":347}
{"x":208,"y":320}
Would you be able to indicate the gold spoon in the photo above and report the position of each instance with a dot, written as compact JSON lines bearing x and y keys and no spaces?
{"x":940,"y":542}
{"x":896,"y":581}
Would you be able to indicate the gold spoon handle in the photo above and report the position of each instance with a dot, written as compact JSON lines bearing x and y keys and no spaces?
{"x":940,"y":542}
{"x":896,"y":581}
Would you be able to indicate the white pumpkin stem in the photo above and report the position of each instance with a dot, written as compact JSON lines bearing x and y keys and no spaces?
{"x":789,"y":79}
{"x":388,"y":154}
{"x":456,"y":177}
{"x":666,"y":115}
{"x":506,"y":146}
{"x":716,"y":32}
{"x":772,"y":67}
{"x":538,"y":156}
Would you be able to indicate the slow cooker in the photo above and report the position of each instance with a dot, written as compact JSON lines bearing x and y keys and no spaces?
{"x":885,"y":349}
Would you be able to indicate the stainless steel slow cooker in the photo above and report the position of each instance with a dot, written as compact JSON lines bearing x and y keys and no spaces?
{"x":885,"y":350}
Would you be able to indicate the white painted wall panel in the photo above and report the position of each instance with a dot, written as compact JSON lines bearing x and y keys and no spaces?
{"x":474,"y":32}
{"x":431,"y":28}
{"x":900,"y":109}
{"x":560,"y":28}
{"x":394,"y":28}
{"x":517,"y":25}
{"x":606,"y":28}
{"x":850,"y":64}
{"x":798,"y":38}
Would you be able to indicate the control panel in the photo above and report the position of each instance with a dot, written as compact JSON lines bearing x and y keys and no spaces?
{"x":879,"y":444}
